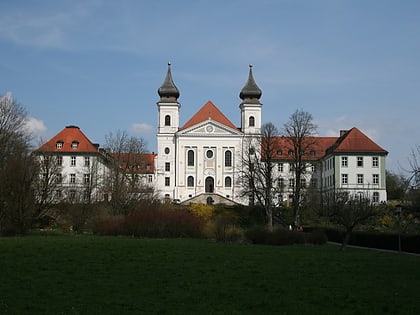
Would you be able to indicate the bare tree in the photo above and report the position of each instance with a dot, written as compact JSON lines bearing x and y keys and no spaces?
{"x":18,"y":169}
{"x":47,"y":184}
{"x":257,"y":170}
{"x":414,"y":170}
{"x":299,"y":132}
{"x":125,"y":182}
{"x":12,"y":127}
{"x":350,"y":211}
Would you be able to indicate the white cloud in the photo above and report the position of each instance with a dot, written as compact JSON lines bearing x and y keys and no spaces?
{"x":142,"y":128}
{"x":35,"y":126}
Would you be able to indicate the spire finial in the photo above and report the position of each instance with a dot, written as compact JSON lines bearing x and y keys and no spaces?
{"x":168,"y":91}
{"x":250,"y":92}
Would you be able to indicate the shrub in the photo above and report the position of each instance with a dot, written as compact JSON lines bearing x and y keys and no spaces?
{"x":316,"y":237}
{"x":162,"y":223}
{"x":203,"y":211}
{"x":223,"y":229}
{"x":261,"y":235}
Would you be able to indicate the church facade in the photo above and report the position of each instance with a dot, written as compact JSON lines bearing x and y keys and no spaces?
{"x":201,"y":159}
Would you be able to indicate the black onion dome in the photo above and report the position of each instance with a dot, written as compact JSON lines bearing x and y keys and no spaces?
{"x":168,"y":90}
{"x":251,"y":91}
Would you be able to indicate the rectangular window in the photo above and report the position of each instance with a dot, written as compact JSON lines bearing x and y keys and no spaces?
{"x":360,"y":161}
{"x":73,"y":161}
{"x":86,"y":178}
{"x":303,"y":183}
{"x":59,"y":178}
{"x":167,"y":166}
{"x":280,"y":167}
{"x":280,"y":183}
{"x":87,"y":161}
{"x":150,"y":178}
{"x":375,"y":197}
{"x":292,"y":183}
{"x":375,"y":161}
{"x":59,"y":160}
{"x":375,"y":178}
{"x":344,"y":161}
{"x":360,"y":179}
{"x":72,"y":178}
{"x":167,"y":181}
{"x":344,"y":179}
{"x":313,"y":182}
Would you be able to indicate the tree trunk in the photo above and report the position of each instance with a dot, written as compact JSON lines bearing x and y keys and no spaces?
{"x":345,"y":240}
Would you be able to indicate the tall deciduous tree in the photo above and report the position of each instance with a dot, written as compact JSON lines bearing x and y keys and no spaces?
{"x":299,"y":131}
{"x":257,"y":169}
{"x":125,"y":182}
{"x":18,"y":169}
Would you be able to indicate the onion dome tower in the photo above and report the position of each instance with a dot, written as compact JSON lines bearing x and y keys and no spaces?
{"x":250,"y":106}
{"x":168,"y":105}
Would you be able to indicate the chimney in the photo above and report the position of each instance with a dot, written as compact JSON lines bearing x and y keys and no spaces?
{"x":343,"y":132}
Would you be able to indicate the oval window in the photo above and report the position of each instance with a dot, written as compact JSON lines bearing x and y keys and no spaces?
{"x":209,"y":154}
{"x":167,"y":150}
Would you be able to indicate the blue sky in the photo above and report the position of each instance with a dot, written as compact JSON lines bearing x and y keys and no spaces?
{"x":98,"y":64}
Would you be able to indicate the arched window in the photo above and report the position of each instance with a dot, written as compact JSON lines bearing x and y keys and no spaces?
{"x":190,"y":181}
{"x":228,"y":158}
{"x":167,"y":120}
{"x":251,"y":121}
{"x":190,"y":158}
{"x":228,"y":181}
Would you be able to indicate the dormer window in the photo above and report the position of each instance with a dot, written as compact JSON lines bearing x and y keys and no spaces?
{"x":59,"y":145}
{"x":279,"y":152}
{"x":74,"y":145}
{"x":290,"y":152}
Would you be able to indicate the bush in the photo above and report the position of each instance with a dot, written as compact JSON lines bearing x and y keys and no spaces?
{"x":162,"y":223}
{"x":223,"y":229}
{"x":261,"y":235}
{"x":316,"y":237}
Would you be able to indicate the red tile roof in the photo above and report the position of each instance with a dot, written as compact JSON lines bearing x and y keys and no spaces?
{"x":316,"y":150}
{"x":67,"y":136}
{"x":208,"y":111}
{"x":355,"y":141}
{"x":140,"y":163}
{"x":351,"y":141}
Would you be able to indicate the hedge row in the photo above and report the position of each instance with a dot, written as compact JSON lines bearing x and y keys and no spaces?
{"x":261,"y":235}
{"x":161,"y":223}
{"x":388,"y":241}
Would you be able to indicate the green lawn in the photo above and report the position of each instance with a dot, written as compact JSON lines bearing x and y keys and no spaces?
{"x":112,"y":275}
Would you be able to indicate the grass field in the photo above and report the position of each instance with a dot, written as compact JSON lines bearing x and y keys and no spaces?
{"x":112,"y":275}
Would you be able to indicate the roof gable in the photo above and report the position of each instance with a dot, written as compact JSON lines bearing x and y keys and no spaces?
{"x":355,"y":141}
{"x":70,"y":139}
{"x":209,"y":111}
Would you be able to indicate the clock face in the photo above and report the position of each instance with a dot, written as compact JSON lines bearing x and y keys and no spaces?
{"x":209,"y":128}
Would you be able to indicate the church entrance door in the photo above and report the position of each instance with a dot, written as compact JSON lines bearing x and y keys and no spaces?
{"x":209,"y":184}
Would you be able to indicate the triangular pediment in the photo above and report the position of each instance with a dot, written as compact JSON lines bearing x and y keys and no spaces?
{"x":209,"y":128}
{"x":209,"y":111}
